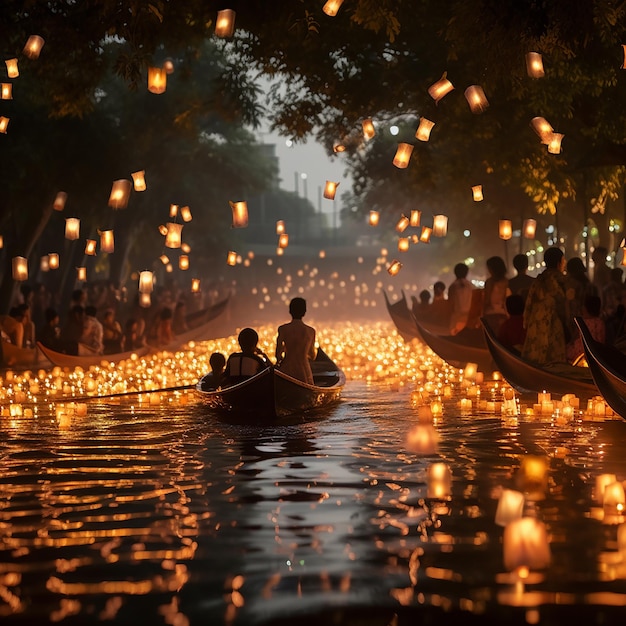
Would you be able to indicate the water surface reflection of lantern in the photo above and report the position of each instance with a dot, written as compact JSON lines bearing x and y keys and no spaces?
{"x":331,"y":7}
{"x":534,"y":65}
{"x":139,"y":180}
{"x":72,"y":228}
{"x":394,"y":268}
{"x":402,"y":224}
{"x":439,"y":481}
{"x":195,"y":285}
{"x":477,"y":193}
{"x":601,"y":482}
{"x":33,"y":47}
{"x":440,"y":226}
{"x":6,"y":91}
{"x":283,"y":240}
{"x":440,"y":88}
{"x":554,"y":145}
{"x":225,"y":23}
{"x":526,"y":544}
{"x":107,"y":242}
{"x":157,"y":80}
{"x":368,"y":128}
{"x":510,"y":507}
{"x":415,"y":218}
{"x":424,"y":128}
{"x":173,"y":235}
{"x":4,"y":124}
{"x":232,"y":258}
{"x":530,"y":227}
{"x":59,"y":201}
{"x":403,"y":155}
{"x":53,"y":261}
{"x":240,"y":214}
{"x":330,"y":189}
{"x":476,"y":99}
{"x":183,"y":262}
{"x":81,"y":274}
{"x":90,"y":247}
{"x":543,"y":129}
{"x":374,"y":218}
{"x":146,"y":281}
{"x":120,"y":193}
{"x":185,"y":213}
{"x":532,"y":476}
{"x":173,"y":210}
{"x":12,"y":70}
{"x":505,"y":229}
{"x":20,"y":268}
{"x":613,"y":499}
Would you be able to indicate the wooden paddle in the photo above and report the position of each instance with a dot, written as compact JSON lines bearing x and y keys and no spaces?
{"x":128,"y":393}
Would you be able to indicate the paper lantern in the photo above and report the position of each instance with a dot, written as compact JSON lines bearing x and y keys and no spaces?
{"x":402,"y":224}
{"x":510,"y":507}
{"x":139,"y":180}
{"x":534,"y":65}
{"x":331,"y":7}
{"x":44,"y":264}
{"x":240,"y":214}
{"x":554,"y":145}
{"x":440,"y":225}
{"x":425,"y":234}
{"x":173,"y":235}
{"x":164,"y":259}
{"x":81,"y":274}
{"x":526,"y":544}
{"x":4,"y":123}
{"x":20,"y":268}
{"x":1,"y":242}
{"x":368,"y":128}
{"x":72,"y":228}
{"x":477,"y":193}
{"x":423,"y":439}
{"x":90,"y":247}
{"x":543,"y":129}
{"x":439,"y":481}
{"x":280,"y":227}
{"x":403,"y":244}
{"x":613,"y":499}
{"x":6,"y":91}
{"x":169,"y":268}
{"x":146,"y":281}
{"x":532,"y":476}
{"x":173,"y":210}
{"x":225,"y":23}
{"x":601,"y":482}
{"x":415,"y":219}
{"x":403,"y":155}
{"x":505,"y":229}
{"x":283,"y":240}
{"x":145,"y":300}
{"x":107,"y":242}
{"x":394,"y":267}
{"x":330,"y":189}
{"x":195,"y":285}
{"x":476,"y":99}
{"x":424,"y":128}
{"x":530,"y":227}
{"x":280,"y":251}
{"x":120,"y":193}
{"x":374,"y":218}
{"x":33,"y":47}
{"x":322,"y":254}
{"x":185,"y":213}
{"x":59,"y":201}
{"x":183,"y":262}
{"x":232,"y":258}
{"x":440,"y":88}
{"x":157,"y":80}
{"x":168,"y":66}
{"x":53,"y":261}
{"x":12,"y":70}
{"x":185,"y":248}
{"x":339,"y":147}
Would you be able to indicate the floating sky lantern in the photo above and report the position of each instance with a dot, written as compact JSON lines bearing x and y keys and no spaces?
{"x":173,"y":210}
{"x":231,"y":258}
{"x":415,"y":218}
{"x":168,"y":66}
{"x":145,"y":300}
{"x":33,"y":47}
{"x":534,"y":65}
{"x":526,"y":544}
{"x":394,"y":267}
{"x":602,"y":480}
{"x":72,"y":228}
{"x":368,"y":128}
{"x":12,"y":69}
{"x":146,"y":281}
{"x":120,"y":193}
{"x":90,"y":247}
{"x":403,"y":244}
{"x":374,"y":218}
{"x":225,"y":23}
{"x":529,"y":228}
{"x":6,"y":91}
{"x":283,"y":240}
{"x":403,"y":155}
{"x":505,"y":229}
{"x":402,"y":224}
{"x":157,"y":80}
{"x":164,"y":259}
{"x":185,"y":248}
{"x":183,"y":262}
{"x":476,"y":99}
{"x":424,"y":128}
{"x":20,"y":268}
{"x":4,"y":124}
{"x":185,"y":213}
{"x":554,"y":145}
{"x":107,"y":241}
{"x":330,"y":189}
{"x":59,"y":201}
{"x":440,"y":88}
{"x":477,"y":193}
{"x":1,"y":242}
{"x":44,"y":263}
{"x":53,"y":261}
{"x":425,"y":234}
{"x":614,"y":500}
{"x":139,"y":180}
{"x":331,"y":7}
{"x":240,"y":214}
{"x":543,"y":129}
{"x":173,"y":235}
{"x":338,"y":147}
{"x":81,"y":274}
{"x":532,"y":476}
{"x":280,"y":227}
{"x":440,"y":225}
{"x":195,"y":285}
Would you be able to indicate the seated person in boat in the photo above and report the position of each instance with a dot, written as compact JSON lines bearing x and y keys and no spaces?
{"x":50,"y":335}
{"x":421,"y":307}
{"x":511,"y":332}
{"x":215,"y":377}
{"x":250,"y":361}
{"x":295,"y":344}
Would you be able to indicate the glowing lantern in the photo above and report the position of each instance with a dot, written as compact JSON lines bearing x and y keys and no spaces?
{"x":423,"y":130}
{"x":157,"y":80}
{"x":439,"y":481}
{"x":533,"y":474}
{"x":368,"y":128}
{"x":322,"y":254}
{"x":20,"y":268}
{"x":283,"y":240}
{"x":403,"y":244}
{"x":543,"y":129}
{"x":601,"y":482}
{"x":394,"y":268}
{"x":139,"y":180}
{"x":510,"y":507}
{"x":185,"y":247}
{"x":338,"y":147}
{"x":440,"y":225}
{"x":81,"y":274}
{"x":173,"y":235}
{"x":280,"y":227}
{"x":164,"y":259}
{"x":145,"y":300}
{"x":12,"y":70}
{"x":476,"y":99}
{"x":6,"y":91}
{"x":534,"y":65}
{"x":374,"y":218}
{"x":441,"y":88}
{"x":416,"y":218}
{"x":44,"y":264}
{"x":183,"y":262}
{"x":232,"y":258}
{"x":4,"y":122}
{"x":53,"y":261}
{"x":225,"y":23}
{"x":505,"y":229}
{"x":59,"y":201}
{"x":554,"y":145}
{"x":402,"y":224}
{"x":530,"y":227}
{"x":330,"y":189}
{"x":195,"y":285}
{"x":107,"y":242}
{"x":331,"y":7}
{"x":1,"y":242}
{"x":72,"y":228}
{"x":146,"y":281}
{"x":425,"y":234}
{"x":477,"y":193}
{"x":90,"y":247}
{"x":173,"y":210}
{"x":33,"y":46}
{"x":120,"y":193}
{"x":526,"y":544}
{"x":613,"y":499}
{"x":240,"y":214}
{"x":403,"y":155}
{"x":185,"y":213}
{"x":168,"y":66}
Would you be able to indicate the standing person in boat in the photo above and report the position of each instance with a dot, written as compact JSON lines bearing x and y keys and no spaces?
{"x":460,"y":297}
{"x":496,"y":292}
{"x":250,"y":361}
{"x":544,"y":312}
{"x":295,"y":344}
{"x":521,"y":282}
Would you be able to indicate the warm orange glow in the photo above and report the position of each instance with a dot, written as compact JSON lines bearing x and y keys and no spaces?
{"x":440,"y":226}
{"x":81,"y":274}
{"x":368,"y":128}
{"x":232,"y":258}
{"x":554,"y":145}
{"x":543,"y":129}
{"x":20,"y":268}
{"x":12,"y":70}
{"x":394,"y":268}
{"x":477,"y":193}
{"x":330,"y":189}
{"x":44,"y":264}
{"x":331,"y":7}
{"x":139,"y":180}
{"x":283,"y":240}
{"x":183,"y":262}
{"x":4,"y":123}
{"x":120,"y":194}
{"x":280,"y":227}
{"x":90,"y":247}
{"x":173,"y":210}
{"x":374,"y":218}
{"x":440,"y":88}
{"x":195,"y":285}
{"x":416,"y":218}
{"x":185,"y":213}
{"x":403,"y":155}
{"x":534,"y":65}
{"x":505,"y":229}
{"x":424,"y":128}
{"x":53,"y":261}
{"x":225,"y":23}
{"x":168,"y":66}
{"x":145,"y":300}
{"x":146,"y":281}
{"x":403,"y":244}
{"x":476,"y":99}
{"x":6,"y":91}
{"x":174,"y":235}
{"x":33,"y":47}
{"x":425,"y":234}
{"x":240,"y":214}
{"x":164,"y":259}
{"x":107,"y":242}
{"x":157,"y":80}
{"x":59,"y":201}
{"x":530,"y":227}
{"x":402,"y":224}
{"x":72,"y":228}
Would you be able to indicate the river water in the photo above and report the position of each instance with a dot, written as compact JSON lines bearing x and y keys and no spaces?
{"x":168,"y":514}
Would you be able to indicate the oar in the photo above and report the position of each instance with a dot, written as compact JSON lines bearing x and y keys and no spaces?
{"x":129,"y":393}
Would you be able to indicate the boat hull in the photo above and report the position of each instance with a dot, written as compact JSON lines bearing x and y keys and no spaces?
{"x":85,"y":361}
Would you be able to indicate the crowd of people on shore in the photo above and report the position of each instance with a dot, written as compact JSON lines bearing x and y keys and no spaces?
{"x":534,"y":316}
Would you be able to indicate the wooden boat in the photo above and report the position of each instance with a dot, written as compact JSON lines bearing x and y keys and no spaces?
{"x":22,"y":358}
{"x":608,"y":368}
{"x":271,"y":394}
{"x":527,"y":377}
{"x":468,"y":346}
{"x":87,"y":360}
{"x":402,"y":317}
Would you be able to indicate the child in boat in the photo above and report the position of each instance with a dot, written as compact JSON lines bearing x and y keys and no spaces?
{"x":214,"y":378}
{"x":249,"y":361}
